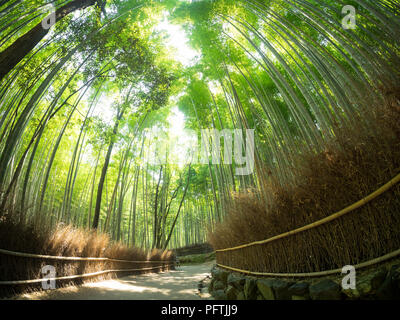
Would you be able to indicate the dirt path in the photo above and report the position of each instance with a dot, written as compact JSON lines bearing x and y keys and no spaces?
{"x":181,"y":284}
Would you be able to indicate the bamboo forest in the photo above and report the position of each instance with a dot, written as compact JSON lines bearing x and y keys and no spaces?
{"x":262,"y":136}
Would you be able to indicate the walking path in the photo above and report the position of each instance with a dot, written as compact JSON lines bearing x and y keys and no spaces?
{"x":180,"y":284}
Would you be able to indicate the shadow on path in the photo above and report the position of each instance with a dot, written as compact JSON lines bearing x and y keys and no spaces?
{"x":181,"y":284}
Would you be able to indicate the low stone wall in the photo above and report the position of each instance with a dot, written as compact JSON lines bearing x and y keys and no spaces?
{"x":382,"y":282}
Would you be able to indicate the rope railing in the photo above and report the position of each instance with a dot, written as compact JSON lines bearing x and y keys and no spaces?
{"x":41,"y":256}
{"x":348,"y":209}
{"x":86,"y":275}
{"x":314,"y":274}
{"x":93,"y":274}
{"x":330,"y":218}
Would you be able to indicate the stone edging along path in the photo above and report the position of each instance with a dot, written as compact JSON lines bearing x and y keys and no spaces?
{"x":381,"y":282}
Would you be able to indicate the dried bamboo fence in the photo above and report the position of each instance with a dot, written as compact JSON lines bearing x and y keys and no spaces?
{"x":316,"y":224}
{"x":161,"y":265}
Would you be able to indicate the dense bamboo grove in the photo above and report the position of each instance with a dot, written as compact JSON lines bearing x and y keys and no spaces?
{"x":84,"y":102}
